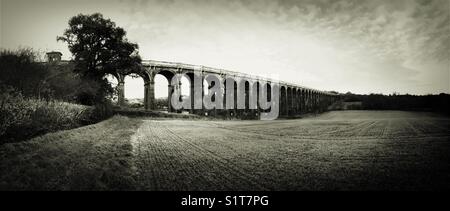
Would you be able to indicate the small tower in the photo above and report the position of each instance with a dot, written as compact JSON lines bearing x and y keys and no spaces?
{"x":54,"y":57}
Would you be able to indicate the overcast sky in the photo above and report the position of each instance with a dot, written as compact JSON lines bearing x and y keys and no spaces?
{"x":344,"y":45}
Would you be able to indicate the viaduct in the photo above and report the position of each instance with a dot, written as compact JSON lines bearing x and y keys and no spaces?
{"x":293,"y":99}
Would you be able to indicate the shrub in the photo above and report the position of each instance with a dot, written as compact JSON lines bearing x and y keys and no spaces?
{"x":55,"y":115}
{"x":12,"y":108}
{"x":101,"y":111}
{"x":22,"y":70}
{"x":22,"y":118}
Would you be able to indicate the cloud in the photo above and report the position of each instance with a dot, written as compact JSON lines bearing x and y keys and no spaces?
{"x":320,"y":39}
{"x":341,"y":45}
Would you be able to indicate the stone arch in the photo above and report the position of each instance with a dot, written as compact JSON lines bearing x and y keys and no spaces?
{"x":190,"y":76}
{"x":302,"y":100}
{"x":217,"y":96}
{"x":168,"y":75}
{"x":315,"y":105}
{"x":289,"y":101}
{"x":120,"y":88}
{"x":254,"y":101}
{"x":297,"y":101}
{"x":283,"y":100}
{"x":268,"y":94}
{"x":269,"y":90}
{"x":133,"y":83}
{"x":243,"y":92}
{"x":231,"y":93}
{"x":306,"y":100}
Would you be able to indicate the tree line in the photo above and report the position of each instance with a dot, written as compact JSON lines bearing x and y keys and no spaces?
{"x":435,"y":103}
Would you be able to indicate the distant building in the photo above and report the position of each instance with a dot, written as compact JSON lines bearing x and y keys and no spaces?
{"x":54,"y":56}
{"x":55,"y":62}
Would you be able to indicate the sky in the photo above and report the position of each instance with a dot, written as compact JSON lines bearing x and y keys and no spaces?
{"x":361,"y":46}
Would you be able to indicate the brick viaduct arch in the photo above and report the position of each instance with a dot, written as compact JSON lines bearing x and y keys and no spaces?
{"x":294,"y":99}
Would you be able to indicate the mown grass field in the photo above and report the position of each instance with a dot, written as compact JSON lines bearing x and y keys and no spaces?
{"x":342,"y":150}
{"x":94,"y":157}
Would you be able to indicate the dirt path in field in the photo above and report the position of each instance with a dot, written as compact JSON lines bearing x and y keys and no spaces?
{"x":166,"y":161}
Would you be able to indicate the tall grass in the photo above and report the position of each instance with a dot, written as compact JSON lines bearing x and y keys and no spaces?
{"x":22,"y":118}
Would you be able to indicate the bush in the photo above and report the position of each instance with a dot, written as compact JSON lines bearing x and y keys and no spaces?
{"x":22,"y":70}
{"x":101,"y":111}
{"x":161,"y":103}
{"x":55,"y":115}
{"x":12,"y":108}
{"x":34,"y":97}
{"x":22,"y":118}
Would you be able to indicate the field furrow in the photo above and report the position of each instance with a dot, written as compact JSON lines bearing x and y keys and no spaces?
{"x":227,"y":170}
{"x":334,"y":153}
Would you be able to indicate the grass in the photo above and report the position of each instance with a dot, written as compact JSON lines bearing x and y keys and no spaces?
{"x":22,"y":119}
{"x":345,"y":150}
{"x":350,"y":150}
{"x":94,"y":157}
{"x":132,"y":112}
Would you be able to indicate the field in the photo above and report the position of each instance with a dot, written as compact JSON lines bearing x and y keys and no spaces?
{"x":341,"y":150}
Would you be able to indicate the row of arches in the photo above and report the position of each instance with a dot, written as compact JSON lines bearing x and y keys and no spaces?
{"x":292,"y":100}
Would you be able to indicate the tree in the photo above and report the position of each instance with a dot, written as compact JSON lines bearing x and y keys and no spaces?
{"x":22,"y":70}
{"x":99,"y":48}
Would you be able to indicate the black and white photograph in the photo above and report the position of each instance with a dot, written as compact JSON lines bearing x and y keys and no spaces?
{"x":225,"y":95}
